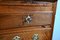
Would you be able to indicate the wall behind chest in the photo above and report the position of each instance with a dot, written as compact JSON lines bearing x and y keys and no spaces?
{"x":56,"y":33}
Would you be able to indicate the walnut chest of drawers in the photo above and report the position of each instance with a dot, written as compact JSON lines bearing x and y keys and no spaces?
{"x":27,"y":19}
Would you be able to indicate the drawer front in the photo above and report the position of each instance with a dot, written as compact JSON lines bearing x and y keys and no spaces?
{"x":28,"y":19}
{"x":31,"y":34}
{"x":10,"y":21}
{"x":31,"y":19}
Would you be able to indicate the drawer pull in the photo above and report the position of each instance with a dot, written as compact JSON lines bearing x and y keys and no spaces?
{"x":35,"y":37}
{"x":16,"y":38}
{"x":28,"y":19}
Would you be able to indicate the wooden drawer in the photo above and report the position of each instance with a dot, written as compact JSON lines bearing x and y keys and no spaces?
{"x":8,"y":21}
{"x":26,"y":34}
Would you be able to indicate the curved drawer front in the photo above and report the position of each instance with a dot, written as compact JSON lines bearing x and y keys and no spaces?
{"x":27,"y":34}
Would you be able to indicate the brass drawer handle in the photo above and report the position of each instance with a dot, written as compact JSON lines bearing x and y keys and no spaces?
{"x":28,"y":19}
{"x":35,"y":37}
{"x":17,"y":38}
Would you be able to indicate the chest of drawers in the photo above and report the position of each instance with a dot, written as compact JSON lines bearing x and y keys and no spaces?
{"x":27,"y":19}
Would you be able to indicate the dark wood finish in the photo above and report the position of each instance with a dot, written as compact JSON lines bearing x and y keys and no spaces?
{"x":13,"y":14}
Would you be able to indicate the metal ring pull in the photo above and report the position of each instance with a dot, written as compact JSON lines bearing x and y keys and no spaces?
{"x":35,"y":37}
{"x":16,"y":38}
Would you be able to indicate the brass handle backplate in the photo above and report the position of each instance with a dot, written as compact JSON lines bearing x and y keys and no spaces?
{"x":28,"y":19}
{"x":35,"y":37}
{"x":16,"y":38}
